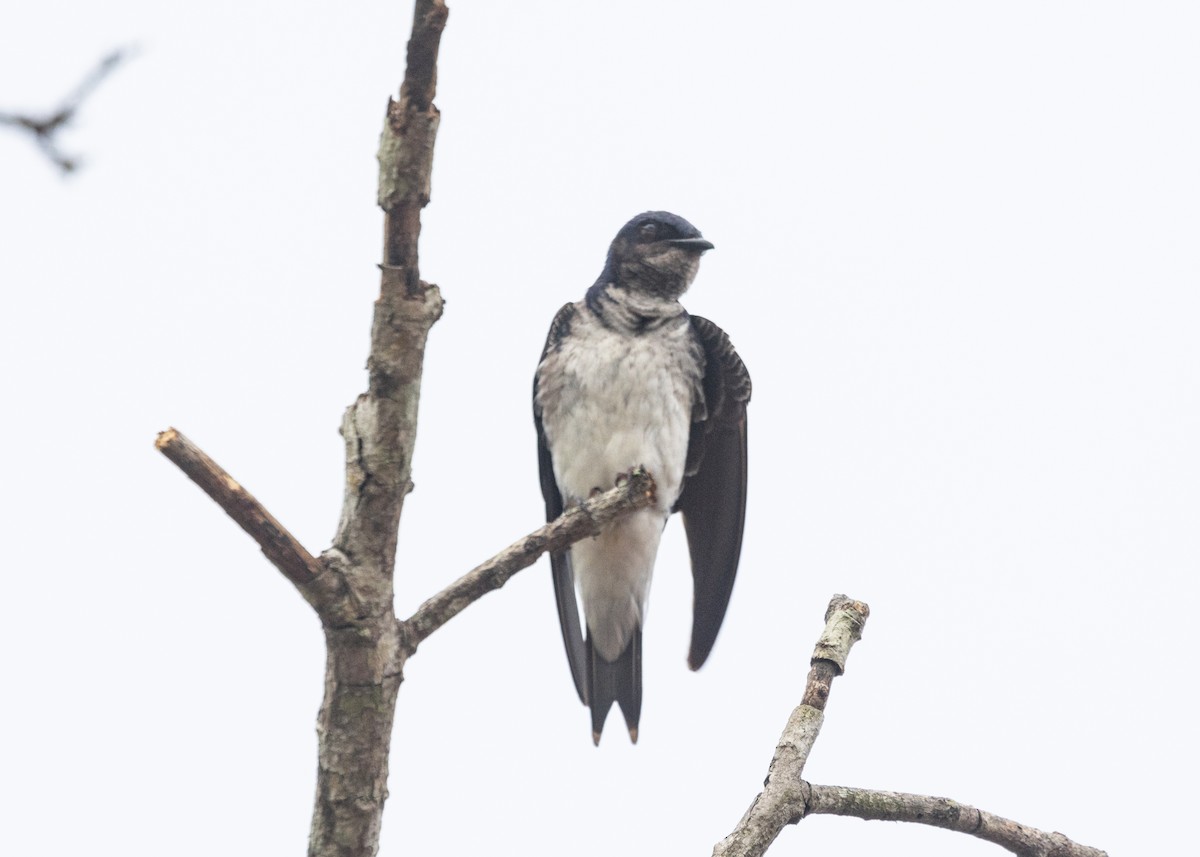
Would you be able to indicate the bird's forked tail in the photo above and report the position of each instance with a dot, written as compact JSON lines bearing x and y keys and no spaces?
{"x":618,"y":681}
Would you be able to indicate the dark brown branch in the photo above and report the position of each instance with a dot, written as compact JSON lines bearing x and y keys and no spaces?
{"x":45,"y":128}
{"x":280,"y":546}
{"x":781,"y":801}
{"x":576,"y":523}
{"x":944,"y":813}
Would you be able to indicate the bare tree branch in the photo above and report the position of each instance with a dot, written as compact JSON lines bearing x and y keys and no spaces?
{"x":576,"y":523}
{"x":351,"y":585}
{"x":280,"y":546}
{"x":945,"y":813}
{"x":366,"y":656}
{"x":781,"y":800}
{"x":786,"y":797}
{"x":45,"y":128}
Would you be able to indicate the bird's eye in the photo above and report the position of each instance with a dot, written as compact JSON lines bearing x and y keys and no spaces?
{"x":648,"y":232}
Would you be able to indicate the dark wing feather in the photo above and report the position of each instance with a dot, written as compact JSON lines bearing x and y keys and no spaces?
{"x":713,"y":500}
{"x":560,"y":563}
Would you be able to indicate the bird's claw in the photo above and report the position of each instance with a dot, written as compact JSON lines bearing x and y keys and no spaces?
{"x":625,"y":476}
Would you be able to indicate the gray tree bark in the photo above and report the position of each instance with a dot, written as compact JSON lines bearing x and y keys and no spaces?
{"x":786,"y":797}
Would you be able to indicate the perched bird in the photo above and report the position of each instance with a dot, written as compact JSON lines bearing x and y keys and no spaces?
{"x":628,"y":378}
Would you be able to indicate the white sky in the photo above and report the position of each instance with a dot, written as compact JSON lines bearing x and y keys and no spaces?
{"x":956,"y":246}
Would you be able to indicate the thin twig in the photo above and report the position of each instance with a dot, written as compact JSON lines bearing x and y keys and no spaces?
{"x":945,"y":813}
{"x":578,"y":522}
{"x":45,"y":128}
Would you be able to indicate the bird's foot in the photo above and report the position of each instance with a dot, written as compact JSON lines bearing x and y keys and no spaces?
{"x":626,"y":475}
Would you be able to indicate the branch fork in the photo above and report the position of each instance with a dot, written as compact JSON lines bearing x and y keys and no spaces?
{"x":786,"y":797}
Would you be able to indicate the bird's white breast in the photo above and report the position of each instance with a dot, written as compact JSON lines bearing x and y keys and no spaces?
{"x":622,"y":401}
{"x":612,"y":401}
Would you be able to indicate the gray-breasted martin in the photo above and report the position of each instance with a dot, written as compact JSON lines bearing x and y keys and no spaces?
{"x":627,"y":379}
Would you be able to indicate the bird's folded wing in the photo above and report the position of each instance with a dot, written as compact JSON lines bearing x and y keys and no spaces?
{"x":713,"y":500}
{"x":560,"y":563}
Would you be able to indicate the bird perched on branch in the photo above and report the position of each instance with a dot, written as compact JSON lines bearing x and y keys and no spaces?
{"x":628,"y":378}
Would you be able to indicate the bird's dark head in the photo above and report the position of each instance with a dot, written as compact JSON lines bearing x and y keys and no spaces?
{"x":658,"y":253}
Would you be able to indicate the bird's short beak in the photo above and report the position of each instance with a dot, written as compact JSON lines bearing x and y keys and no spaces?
{"x":697,"y":244}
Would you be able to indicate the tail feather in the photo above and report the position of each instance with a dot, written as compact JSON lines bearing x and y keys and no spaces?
{"x":618,"y":681}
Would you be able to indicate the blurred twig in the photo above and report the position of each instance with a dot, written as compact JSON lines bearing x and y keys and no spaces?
{"x":45,"y":128}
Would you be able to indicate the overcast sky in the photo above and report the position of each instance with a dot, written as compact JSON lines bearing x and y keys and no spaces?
{"x":956,"y":245}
